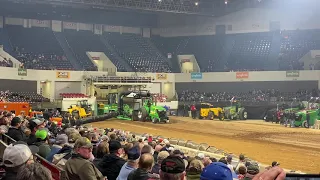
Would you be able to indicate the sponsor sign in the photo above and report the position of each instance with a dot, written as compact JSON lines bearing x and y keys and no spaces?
{"x":65,"y":75}
{"x":242,"y":75}
{"x":162,"y":76}
{"x":196,"y":75}
{"x":292,"y":73}
{"x":22,"y":72}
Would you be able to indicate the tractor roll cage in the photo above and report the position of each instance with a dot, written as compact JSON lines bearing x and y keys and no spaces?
{"x":134,"y":95}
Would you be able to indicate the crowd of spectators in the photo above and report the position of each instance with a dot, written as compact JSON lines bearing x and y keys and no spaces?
{"x":30,"y":97}
{"x":87,"y":153}
{"x":252,"y":96}
{"x":4,"y":62}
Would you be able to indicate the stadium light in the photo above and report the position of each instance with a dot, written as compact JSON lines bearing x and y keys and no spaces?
{"x":159,"y":0}
{"x":225,"y":2}
{"x":196,"y":3}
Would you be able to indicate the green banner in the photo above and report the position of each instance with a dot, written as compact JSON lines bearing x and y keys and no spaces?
{"x":292,"y":73}
{"x":22,"y":72}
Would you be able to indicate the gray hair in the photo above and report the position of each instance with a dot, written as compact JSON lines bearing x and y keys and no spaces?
{"x":34,"y":171}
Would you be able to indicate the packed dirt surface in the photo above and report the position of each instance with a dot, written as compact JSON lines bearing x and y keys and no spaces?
{"x":293,"y":148}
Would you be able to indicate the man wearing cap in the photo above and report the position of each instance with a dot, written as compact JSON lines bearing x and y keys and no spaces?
{"x":15,"y":131}
{"x":42,"y":136}
{"x":252,"y":171}
{"x":112,"y":163}
{"x":229,"y":161}
{"x":78,"y":166}
{"x":60,"y":141}
{"x":172,"y":168}
{"x":34,"y":125}
{"x":15,"y":156}
{"x":132,"y":164}
{"x":195,"y":169}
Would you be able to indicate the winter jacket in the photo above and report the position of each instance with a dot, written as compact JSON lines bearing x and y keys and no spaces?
{"x":111,"y":165}
{"x":16,"y":134}
{"x":44,"y":149}
{"x":141,"y":174}
{"x":193,"y":176}
{"x":54,"y":150}
{"x":78,"y":168}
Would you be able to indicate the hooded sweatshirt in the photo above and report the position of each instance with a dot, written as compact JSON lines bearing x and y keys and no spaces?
{"x":111,"y":165}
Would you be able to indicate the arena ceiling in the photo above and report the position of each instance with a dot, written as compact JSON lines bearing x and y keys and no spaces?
{"x":200,"y":7}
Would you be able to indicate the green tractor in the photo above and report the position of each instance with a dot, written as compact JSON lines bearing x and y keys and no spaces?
{"x":313,"y":110}
{"x":144,"y":109}
{"x":235,"y":112}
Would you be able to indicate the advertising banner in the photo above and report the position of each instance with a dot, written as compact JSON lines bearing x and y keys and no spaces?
{"x":64,"y":75}
{"x":22,"y":72}
{"x":242,"y":75}
{"x":196,"y":75}
{"x":162,"y":76}
{"x":292,"y":73}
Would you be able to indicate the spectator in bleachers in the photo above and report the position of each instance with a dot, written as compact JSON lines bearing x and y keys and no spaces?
{"x":161,"y":156}
{"x":194,"y":170}
{"x":252,"y":170}
{"x":131,"y":164}
{"x":172,"y":168}
{"x":242,"y":161}
{"x":15,"y":131}
{"x":79,"y":167}
{"x":111,"y":164}
{"x":142,"y":172}
{"x":34,"y":171}
{"x":15,"y":156}
{"x":42,"y":136}
{"x":60,"y":141}
{"x":4,"y":124}
{"x":102,"y":149}
{"x":217,"y":170}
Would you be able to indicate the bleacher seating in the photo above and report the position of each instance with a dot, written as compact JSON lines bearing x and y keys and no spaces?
{"x":159,"y":97}
{"x":30,"y":97}
{"x":294,"y":45}
{"x":84,"y":41}
{"x":72,"y":95}
{"x":140,"y":53}
{"x":37,"y":48}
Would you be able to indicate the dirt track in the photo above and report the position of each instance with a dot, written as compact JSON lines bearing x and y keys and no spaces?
{"x":294,"y":148}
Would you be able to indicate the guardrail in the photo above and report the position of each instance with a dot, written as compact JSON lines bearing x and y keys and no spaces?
{"x":57,"y":173}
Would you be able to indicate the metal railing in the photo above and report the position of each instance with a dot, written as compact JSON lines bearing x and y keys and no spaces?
{"x":57,"y":173}
{"x":117,"y":79}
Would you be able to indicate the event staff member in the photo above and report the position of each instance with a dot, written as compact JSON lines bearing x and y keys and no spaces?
{"x":308,"y":119}
{"x":193,"y":111}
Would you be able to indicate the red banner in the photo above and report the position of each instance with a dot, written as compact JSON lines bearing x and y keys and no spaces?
{"x":242,"y":75}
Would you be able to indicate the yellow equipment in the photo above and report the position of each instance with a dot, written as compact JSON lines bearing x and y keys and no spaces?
{"x":207,"y":111}
{"x":80,"y":110}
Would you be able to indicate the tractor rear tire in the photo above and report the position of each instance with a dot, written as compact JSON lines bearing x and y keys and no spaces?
{"x":243,"y":114}
{"x":305,"y":124}
{"x":210,"y":115}
{"x":221,"y":116}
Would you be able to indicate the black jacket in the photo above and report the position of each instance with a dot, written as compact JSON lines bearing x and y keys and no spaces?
{"x":141,"y":174}
{"x":10,"y":175}
{"x":110,"y":166}
{"x":16,"y":134}
{"x":32,"y":139}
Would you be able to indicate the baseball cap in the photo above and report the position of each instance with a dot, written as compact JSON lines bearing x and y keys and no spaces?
{"x":61,"y":139}
{"x":15,"y":121}
{"x":253,"y":169}
{"x":83,"y":142}
{"x":197,"y":165}
{"x":133,"y":153}
{"x":216,"y":171}
{"x":16,"y":154}
{"x":229,"y":158}
{"x":41,"y":134}
{"x":275,"y":163}
{"x":38,"y":121}
{"x":162,"y":155}
{"x":114,"y":145}
{"x":173,"y":165}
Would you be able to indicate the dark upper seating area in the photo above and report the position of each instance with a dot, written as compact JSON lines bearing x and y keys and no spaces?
{"x":139,"y":52}
{"x":250,"y":51}
{"x":294,"y":45}
{"x":37,"y":48}
{"x":84,"y":41}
